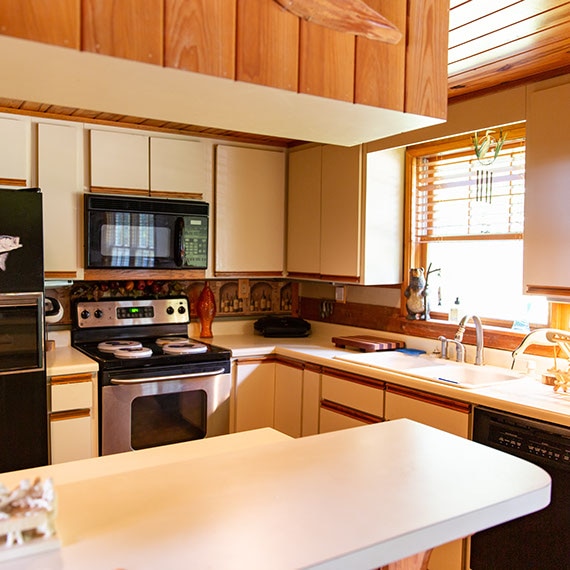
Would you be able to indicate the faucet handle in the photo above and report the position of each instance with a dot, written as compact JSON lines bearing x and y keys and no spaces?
{"x":443,"y":349}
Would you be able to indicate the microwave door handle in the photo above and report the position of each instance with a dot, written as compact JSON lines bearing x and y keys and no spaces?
{"x":179,"y":242}
{"x":164,"y":378}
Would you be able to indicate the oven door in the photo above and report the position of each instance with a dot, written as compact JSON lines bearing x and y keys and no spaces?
{"x":156,"y":408}
{"x":21,"y":332}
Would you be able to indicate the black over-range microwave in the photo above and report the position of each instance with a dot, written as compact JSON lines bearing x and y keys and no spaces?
{"x":145,"y":233}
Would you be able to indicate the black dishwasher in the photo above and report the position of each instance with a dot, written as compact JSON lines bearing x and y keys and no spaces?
{"x":541,"y":540}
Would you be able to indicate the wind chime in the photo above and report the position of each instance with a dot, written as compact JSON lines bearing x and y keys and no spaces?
{"x":487,"y":150}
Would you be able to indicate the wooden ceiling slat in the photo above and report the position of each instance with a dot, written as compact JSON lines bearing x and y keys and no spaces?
{"x":534,"y":63}
{"x":462,"y":13}
{"x":529,"y":11}
{"x":500,"y":44}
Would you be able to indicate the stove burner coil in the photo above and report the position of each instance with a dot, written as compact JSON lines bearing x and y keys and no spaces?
{"x":184,"y":348}
{"x":113,"y":345}
{"x":133,"y":352}
{"x":172,"y":340}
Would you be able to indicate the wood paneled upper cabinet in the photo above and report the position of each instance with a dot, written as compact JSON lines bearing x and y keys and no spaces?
{"x":14,"y":152}
{"x":119,"y":161}
{"x":60,"y":178}
{"x":200,"y":36}
{"x":177,"y":167}
{"x":326,"y":62}
{"x":345,"y":214}
{"x":267,"y":45}
{"x":131,"y":29}
{"x":249,"y":211}
{"x":55,"y":22}
{"x":378,"y":61}
{"x":547,"y":225}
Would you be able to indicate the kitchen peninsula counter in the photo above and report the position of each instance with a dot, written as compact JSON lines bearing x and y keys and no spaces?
{"x":356,"y":498}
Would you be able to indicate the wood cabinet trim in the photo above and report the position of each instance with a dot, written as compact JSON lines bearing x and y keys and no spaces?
{"x":429,"y":398}
{"x":69,"y":415}
{"x":71,"y":379}
{"x":349,"y":376}
{"x":256,"y":359}
{"x":350,"y":412}
{"x":13,"y":182}
{"x":291,"y":362}
{"x":130,"y":274}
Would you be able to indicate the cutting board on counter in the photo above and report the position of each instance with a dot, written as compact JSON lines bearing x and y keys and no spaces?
{"x":366,"y":343}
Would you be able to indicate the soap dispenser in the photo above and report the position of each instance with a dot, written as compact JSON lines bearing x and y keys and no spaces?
{"x":454,"y":311}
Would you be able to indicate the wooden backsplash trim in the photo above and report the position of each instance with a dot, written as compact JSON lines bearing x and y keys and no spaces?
{"x":388,"y":319}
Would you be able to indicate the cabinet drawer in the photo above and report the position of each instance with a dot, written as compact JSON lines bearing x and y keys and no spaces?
{"x":362,"y":397}
{"x":71,"y":392}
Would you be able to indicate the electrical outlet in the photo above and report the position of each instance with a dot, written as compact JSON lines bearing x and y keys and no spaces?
{"x":340,"y":294}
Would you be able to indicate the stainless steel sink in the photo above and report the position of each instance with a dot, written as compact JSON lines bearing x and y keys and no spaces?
{"x":464,"y":375}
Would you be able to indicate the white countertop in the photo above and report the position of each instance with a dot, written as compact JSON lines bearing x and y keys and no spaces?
{"x":526,"y":396}
{"x":355,"y":498}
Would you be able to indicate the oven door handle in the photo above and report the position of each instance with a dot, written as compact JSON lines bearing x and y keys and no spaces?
{"x":164,"y":378}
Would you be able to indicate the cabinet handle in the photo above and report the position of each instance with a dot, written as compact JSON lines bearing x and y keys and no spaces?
{"x":69,"y":415}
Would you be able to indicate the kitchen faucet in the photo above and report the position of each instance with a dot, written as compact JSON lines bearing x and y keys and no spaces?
{"x":544,"y":337}
{"x":458,"y":340}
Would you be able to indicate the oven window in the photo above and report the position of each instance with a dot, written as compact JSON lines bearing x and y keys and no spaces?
{"x":168,"y":418}
{"x":20,"y":337}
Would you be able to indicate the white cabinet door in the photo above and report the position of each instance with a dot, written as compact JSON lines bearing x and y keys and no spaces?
{"x":119,"y":161}
{"x":547,"y":225}
{"x":249,"y":212}
{"x":334,"y":421}
{"x":70,"y":437}
{"x":340,"y":212}
{"x":304,"y":211}
{"x":288,"y":399}
{"x":14,"y":152}
{"x":177,"y":167}
{"x":346,"y":402}
{"x":73,"y":417}
{"x":60,"y":179}
{"x":443,"y":414}
{"x":311,"y":401}
{"x":255,"y":395}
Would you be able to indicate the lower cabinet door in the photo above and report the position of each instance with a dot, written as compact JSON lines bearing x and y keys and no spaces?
{"x":334,"y":421}
{"x":70,"y":436}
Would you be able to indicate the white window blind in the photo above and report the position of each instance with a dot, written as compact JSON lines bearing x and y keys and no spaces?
{"x":457,"y":197}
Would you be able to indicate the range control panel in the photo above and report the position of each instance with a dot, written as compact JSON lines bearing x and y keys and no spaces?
{"x":132,"y":312}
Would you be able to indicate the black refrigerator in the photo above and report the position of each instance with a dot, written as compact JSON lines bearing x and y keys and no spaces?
{"x":23,"y":389}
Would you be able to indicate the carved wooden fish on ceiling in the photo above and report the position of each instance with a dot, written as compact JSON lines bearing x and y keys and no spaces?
{"x":351,"y":16}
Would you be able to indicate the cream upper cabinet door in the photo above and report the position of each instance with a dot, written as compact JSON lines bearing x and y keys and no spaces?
{"x":547,"y":225}
{"x":340,"y":212}
{"x":177,"y":167}
{"x":14,"y":152}
{"x":249,"y":211}
{"x":383,"y":247}
{"x":304,"y":211}
{"x":119,"y":161}
{"x":59,"y":177}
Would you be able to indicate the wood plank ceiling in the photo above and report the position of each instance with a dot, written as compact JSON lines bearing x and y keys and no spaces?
{"x":493,"y":45}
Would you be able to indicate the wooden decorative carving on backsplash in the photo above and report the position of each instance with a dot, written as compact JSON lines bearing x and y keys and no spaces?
{"x":351,"y":16}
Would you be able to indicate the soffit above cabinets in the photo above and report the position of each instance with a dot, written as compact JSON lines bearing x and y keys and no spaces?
{"x":40,"y":72}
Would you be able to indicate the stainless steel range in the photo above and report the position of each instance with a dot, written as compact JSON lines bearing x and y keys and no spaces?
{"x":156,"y":385}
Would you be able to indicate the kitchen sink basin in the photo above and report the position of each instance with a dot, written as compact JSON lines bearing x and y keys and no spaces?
{"x":389,"y":360}
{"x":464,"y":375}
